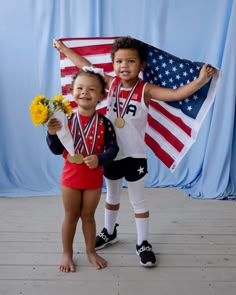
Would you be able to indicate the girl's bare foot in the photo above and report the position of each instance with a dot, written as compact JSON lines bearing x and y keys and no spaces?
{"x":67,"y":264}
{"x":97,"y":260}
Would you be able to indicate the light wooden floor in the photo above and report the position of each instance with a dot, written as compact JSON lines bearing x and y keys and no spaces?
{"x":195,"y":241}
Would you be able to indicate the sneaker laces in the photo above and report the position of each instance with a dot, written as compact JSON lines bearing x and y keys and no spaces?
{"x":144,"y":248}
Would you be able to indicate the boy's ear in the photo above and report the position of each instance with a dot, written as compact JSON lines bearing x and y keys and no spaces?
{"x":143,"y":65}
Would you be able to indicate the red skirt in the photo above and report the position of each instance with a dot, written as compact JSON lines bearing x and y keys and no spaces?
{"x":80,"y":176}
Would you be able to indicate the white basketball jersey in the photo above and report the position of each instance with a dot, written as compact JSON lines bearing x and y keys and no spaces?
{"x":130,"y":137}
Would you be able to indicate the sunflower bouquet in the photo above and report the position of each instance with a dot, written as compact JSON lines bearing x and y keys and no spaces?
{"x":43,"y":109}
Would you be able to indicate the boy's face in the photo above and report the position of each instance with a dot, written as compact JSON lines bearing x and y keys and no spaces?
{"x":127,"y":64}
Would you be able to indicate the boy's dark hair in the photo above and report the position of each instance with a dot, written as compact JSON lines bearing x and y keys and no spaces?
{"x":99,"y":77}
{"x":129,"y":43}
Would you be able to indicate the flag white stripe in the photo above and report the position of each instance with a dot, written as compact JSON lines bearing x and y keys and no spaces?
{"x":163,"y":143}
{"x":87,"y":42}
{"x":66,"y":80}
{"x":68,"y":97}
{"x":169,"y":125}
{"x":178,"y":113}
{"x":209,"y":99}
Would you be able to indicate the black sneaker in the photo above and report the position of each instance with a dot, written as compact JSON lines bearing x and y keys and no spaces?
{"x":147,"y":257}
{"x":104,"y":239}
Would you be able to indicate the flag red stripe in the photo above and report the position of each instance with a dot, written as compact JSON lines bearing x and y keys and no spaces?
{"x":65,"y":89}
{"x":93,"y":49}
{"x":107,"y":67}
{"x":73,"y":104}
{"x":159,"y":152}
{"x":171,"y":117}
{"x":68,"y":71}
{"x":169,"y":137}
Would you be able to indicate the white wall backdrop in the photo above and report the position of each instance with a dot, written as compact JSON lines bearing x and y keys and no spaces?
{"x":202,"y":30}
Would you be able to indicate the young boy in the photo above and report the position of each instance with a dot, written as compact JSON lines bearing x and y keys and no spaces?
{"x":128,"y":99}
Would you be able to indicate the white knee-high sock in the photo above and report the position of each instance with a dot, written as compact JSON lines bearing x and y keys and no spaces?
{"x":110,"y":220}
{"x":142,"y":228}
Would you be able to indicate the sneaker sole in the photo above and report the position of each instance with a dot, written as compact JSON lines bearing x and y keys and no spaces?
{"x":148,"y":264}
{"x":106,"y":244}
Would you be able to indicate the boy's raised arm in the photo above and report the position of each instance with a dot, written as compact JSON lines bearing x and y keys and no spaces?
{"x":78,"y":60}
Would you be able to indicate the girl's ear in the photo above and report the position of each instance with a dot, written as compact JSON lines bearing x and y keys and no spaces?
{"x":101,"y":97}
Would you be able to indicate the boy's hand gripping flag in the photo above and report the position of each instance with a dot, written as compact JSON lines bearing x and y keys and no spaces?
{"x":172,"y":127}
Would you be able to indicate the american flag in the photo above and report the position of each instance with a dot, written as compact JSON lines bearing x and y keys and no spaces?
{"x":172,"y":128}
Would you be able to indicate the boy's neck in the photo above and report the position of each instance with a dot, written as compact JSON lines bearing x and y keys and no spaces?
{"x":130,"y":83}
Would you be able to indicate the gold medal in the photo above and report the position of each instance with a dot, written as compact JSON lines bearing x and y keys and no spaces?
{"x":76,"y":159}
{"x":119,"y":122}
{"x":70,"y":158}
{"x":79,"y":158}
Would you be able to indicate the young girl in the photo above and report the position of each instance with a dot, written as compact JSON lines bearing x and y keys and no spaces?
{"x":128,"y":100}
{"x":81,"y":182}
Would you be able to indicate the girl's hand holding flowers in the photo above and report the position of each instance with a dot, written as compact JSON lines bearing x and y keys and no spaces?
{"x":54,"y":126}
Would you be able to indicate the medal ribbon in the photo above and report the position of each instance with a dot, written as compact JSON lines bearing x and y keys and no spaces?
{"x":121,"y":113}
{"x":77,"y":126}
{"x":84,"y":134}
{"x":74,"y":131}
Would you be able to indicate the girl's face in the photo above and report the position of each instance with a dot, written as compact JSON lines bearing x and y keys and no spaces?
{"x":127,"y":65}
{"x":87,"y":91}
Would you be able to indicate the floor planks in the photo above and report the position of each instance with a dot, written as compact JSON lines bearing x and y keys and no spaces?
{"x":195,"y":242}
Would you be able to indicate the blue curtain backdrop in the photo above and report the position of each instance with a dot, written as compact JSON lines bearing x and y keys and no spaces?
{"x":202,"y":30}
